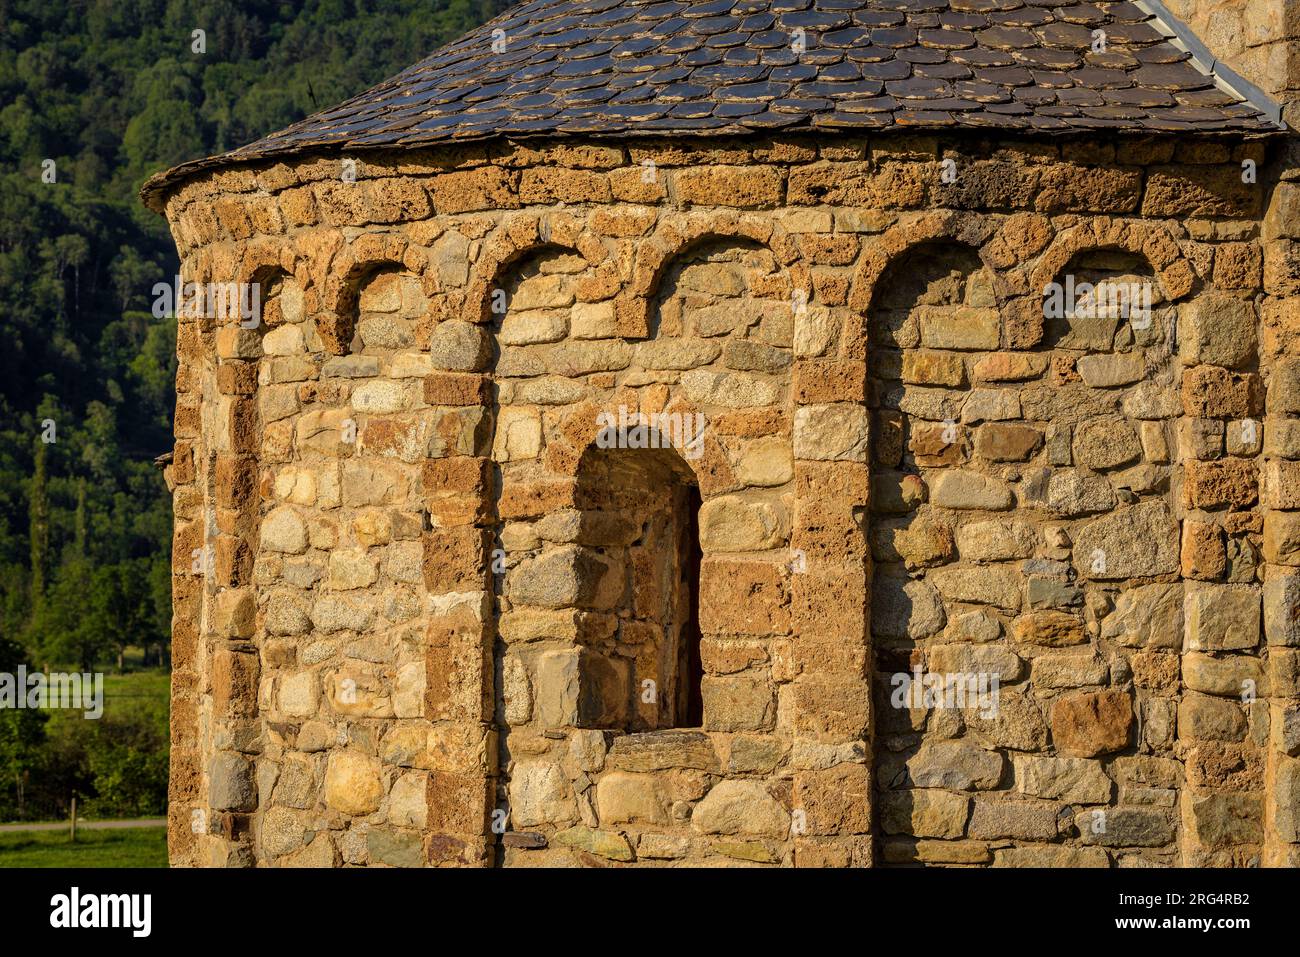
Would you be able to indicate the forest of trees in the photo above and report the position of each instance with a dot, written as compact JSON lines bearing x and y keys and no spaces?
{"x":97,"y":95}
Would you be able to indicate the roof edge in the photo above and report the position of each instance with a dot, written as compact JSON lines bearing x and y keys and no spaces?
{"x":1182,"y":35}
{"x":153,"y":193}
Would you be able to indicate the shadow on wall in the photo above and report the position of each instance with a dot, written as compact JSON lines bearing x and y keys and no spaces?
{"x":933,"y":305}
{"x":998,"y":472}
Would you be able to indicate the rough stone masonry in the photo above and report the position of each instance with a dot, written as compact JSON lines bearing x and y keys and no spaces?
{"x":651,"y":421}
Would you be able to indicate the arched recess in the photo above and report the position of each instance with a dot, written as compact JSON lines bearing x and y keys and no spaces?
{"x":340,"y":552}
{"x":676,"y":240}
{"x":1107,"y":298}
{"x":933,"y":312}
{"x":725,"y":351}
{"x":1162,"y":408}
{"x":1110,"y":403}
{"x":535,"y":298}
{"x":1150,"y":241}
{"x":654,"y":489}
{"x":245,"y":313}
{"x":596,"y":550}
{"x":522,"y":240}
{"x":727,"y":290}
{"x":936,"y":608}
{"x":354,"y":270}
{"x":1022,"y":521}
{"x":966,"y":230}
{"x":1104,"y":385}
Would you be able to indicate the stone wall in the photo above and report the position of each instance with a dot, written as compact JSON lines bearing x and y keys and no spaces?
{"x":1258,"y":38}
{"x":452,"y":614}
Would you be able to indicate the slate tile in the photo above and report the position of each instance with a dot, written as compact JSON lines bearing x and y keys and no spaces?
{"x":612,"y":68}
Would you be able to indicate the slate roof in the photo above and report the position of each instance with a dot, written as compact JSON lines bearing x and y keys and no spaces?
{"x":617,"y":68}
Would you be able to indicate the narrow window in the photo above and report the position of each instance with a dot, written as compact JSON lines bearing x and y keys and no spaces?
{"x":635,"y":555}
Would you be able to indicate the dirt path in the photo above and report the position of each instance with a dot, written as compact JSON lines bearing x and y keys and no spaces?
{"x":87,"y":825}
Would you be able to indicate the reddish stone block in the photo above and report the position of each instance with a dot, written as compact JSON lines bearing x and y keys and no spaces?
{"x":234,"y":683}
{"x":1233,"y":483}
{"x":457,"y":388}
{"x":743,"y":598}
{"x":1212,"y":392}
{"x":456,"y":558}
{"x":236,"y":481}
{"x":817,"y":381}
{"x":1203,"y":554}
{"x":835,"y":800}
{"x":237,"y":378}
{"x":1091,"y":724}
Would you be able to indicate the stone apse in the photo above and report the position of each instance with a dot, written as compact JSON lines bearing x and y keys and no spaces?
{"x":587,"y":503}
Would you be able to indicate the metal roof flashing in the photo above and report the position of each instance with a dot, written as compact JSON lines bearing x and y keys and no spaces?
{"x":1227,"y":79}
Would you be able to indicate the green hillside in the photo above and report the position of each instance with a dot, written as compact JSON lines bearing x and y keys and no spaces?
{"x":95,"y":96}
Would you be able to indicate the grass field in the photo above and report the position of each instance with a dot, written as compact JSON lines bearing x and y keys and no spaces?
{"x":149,"y":686}
{"x":131,"y":691}
{"x":129,"y":847}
